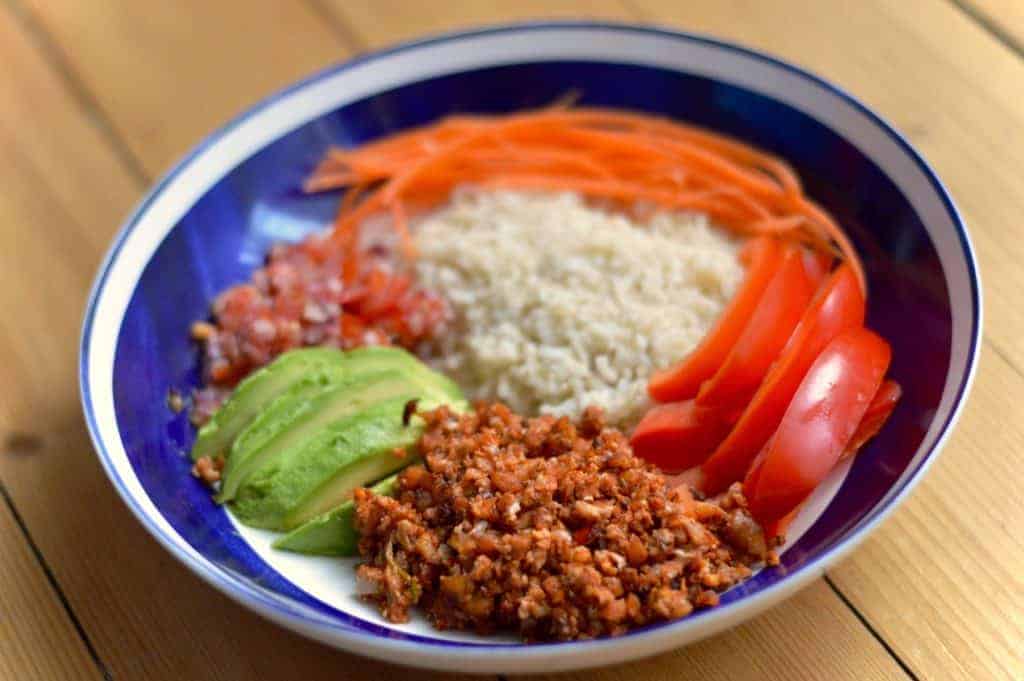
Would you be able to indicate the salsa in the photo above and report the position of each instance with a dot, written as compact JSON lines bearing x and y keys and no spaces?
{"x":301,"y":298}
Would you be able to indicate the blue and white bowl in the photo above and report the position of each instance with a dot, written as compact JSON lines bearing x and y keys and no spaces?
{"x":210,"y":220}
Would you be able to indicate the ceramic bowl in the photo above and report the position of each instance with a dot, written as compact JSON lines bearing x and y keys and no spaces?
{"x":208,"y":223}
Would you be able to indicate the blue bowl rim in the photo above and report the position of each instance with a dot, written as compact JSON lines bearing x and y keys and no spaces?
{"x":253,"y":597}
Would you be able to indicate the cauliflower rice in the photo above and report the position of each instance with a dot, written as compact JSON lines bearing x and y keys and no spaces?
{"x":559,"y":305}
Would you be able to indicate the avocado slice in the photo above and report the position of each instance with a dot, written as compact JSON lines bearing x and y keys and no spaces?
{"x":293,"y":406}
{"x":255,"y":392}
{"x":332,"y":533}
{"x":258,"y":390}
{"x":291,"y":421}
{"x":321,"y":472}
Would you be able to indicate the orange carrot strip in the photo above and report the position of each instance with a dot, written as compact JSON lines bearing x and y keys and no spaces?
{"x":635,"y":161}
{"x":401,"y":225}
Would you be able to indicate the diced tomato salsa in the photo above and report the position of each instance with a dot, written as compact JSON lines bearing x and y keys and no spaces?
{"x":299,"y":298}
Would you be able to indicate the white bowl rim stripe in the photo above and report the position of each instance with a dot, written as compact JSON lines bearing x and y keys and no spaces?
{"x":222,"y":151}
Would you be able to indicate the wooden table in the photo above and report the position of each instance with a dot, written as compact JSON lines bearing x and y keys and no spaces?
{"x":98,"y":98}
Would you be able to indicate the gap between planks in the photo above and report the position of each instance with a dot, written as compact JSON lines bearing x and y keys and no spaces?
{"x":339,"y":25}
{"x":990,"y":24}
{"x":14,"y":523}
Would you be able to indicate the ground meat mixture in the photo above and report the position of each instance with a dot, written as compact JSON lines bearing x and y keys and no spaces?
{"x":301,"y":298}
{"x":547,"y":528}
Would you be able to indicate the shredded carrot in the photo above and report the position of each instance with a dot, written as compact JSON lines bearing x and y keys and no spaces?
{"x":402,"y":227}
{"x":629,"y":159}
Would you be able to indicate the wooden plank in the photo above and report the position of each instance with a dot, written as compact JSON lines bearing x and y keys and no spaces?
{"x":1005,"y":17}
{"x":938,"y":580}
{"x":37,"y":638}
{"x":168,"y":73}
{"x":148,"y":617}
{"x":941,"y":580}
{"x":396,"y":20}
{"x":811,"y":637}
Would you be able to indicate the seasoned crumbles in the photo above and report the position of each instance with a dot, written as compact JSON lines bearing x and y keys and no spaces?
{"x":547,"y":528}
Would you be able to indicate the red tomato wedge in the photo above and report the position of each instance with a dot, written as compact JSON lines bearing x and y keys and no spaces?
{"x":681,"y":382}
{"x":837,"y":306}
{"x":818,"y":424}
{"x":878,"y":413}
{"x":678,"y":435}
{"x":779,"y":527}
{"x":875,"y":417}
{"x":770,"y":326}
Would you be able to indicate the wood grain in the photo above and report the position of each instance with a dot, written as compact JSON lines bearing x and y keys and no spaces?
{"x":1004,"y":16}
{"x":166,"y":74}
{"x":941,"y":581}
{"x":383,"y":22}
{"x":147,"y":616}
{"x":37,"y":639}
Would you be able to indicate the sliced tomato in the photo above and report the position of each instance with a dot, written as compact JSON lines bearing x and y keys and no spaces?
{"x":818,"y":424}
{"x":838,"y":305}
{"x":770,"y":326}
{"x":878,"y":413}
{"x":681,"y":382}
{"x":778,"y":528}
{"x":678,"y":435}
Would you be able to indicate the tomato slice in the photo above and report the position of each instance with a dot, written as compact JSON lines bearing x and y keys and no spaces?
{"x":818,"y":424}
{"x":771,"y":325}
{"x":878,"y":413}
{"x":678,"y":435}
{"x":779,"y":527}
{"x":681,"y":381}
{"x":837,"y":306}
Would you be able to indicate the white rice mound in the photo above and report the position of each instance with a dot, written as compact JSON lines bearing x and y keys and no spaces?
{"x":559,"y":305}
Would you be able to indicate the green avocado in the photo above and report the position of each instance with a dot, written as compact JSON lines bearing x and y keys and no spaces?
{"x":389,"y":356}
{"x":300,"y":372}
{"x":292,"y":408}
{"x":332,"y":533}
{"x":294,"y":418}
{"x":322,"y":471}
{"x":257,"y":391}
{"x":315,"y":400}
